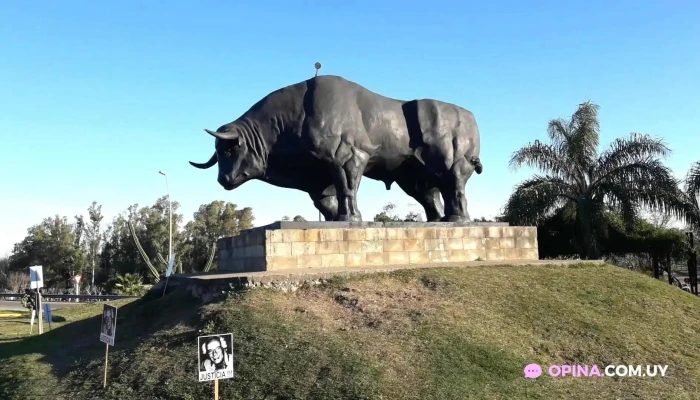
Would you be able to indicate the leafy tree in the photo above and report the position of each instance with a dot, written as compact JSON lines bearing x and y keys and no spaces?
{"x":155,"y":227}
{"x":585,"y":184}
{"x":388,"y":214}
{"x":645,"y":238}
{"x":298,"y":218}
{"x":93,"y":236}
{"x":4,"y":271}
{"x":412,"y":216}
{"x":152,"y":226}
{"x":54,"y":244}
{"x":119,"y":254}
{"x":212,"y":221}
{"x":17,"y":281}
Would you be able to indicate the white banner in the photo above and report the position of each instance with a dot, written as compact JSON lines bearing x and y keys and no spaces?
{"x":170,"y":265}
{"x":36,"y":277}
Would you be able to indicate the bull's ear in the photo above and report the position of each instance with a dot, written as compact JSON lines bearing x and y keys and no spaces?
{"x":230,"y":135}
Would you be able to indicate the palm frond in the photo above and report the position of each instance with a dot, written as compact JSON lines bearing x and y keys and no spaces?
{"x":541,"y":156}
{"x":558,"y":132}
{"x":692,"y":181}
{"x":585,"y":134}
{"x":646,"y":184}
{"x":632,"y":149}
{"x":640,"y":171}
{"x":537,"y":198}
{"x":623,"y":201}
{"x":692,"y":192}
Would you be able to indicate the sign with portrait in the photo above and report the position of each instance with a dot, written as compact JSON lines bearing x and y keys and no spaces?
{"x":109,"y":324}
{"x":215,"y":359}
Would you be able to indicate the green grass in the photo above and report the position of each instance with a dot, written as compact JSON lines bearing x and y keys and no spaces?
{"x":412,"y":334}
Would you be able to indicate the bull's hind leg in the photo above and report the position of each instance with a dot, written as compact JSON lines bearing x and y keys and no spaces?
{"x":326,"y":204}
{"x":452,"y":187}
{"x":427,"y":195}
{"x":432,"y":204}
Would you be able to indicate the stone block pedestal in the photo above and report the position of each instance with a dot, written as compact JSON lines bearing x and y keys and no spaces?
{"x":301,"y":245}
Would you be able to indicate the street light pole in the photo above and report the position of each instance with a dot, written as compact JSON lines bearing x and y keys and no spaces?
{"x":170,"y":206}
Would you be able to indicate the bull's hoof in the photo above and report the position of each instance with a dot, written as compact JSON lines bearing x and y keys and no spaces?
{"x":454,"y":218}
{"x":350,"y":218}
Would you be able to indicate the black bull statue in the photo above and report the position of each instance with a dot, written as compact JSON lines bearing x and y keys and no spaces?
{"x":321,"y":136}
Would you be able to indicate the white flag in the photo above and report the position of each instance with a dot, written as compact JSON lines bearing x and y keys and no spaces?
{"x":170,"y":265}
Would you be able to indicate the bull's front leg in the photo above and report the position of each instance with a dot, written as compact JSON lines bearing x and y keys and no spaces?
{"x":347,"y":179}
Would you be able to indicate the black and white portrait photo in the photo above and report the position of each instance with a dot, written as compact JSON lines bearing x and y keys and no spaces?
{"x":109,"y":324}
{"x":215,"y":357}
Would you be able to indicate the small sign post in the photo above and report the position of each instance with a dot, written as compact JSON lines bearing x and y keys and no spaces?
{"x":47,"y":314}
{"x":107,"y":332}
{"x":31,"y":326}
{"x":38,"y":310}
{"x":76,"y":281}
{"x":36,"y":281}
{"x":215,"y":359}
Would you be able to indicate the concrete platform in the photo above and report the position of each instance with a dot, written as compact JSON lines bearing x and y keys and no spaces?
{"x":208,"y":286}
{"x":311,"y":245}
{"x":326,"y":272}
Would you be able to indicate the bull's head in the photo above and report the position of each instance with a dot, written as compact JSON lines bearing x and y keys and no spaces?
{"x":236,"y":164}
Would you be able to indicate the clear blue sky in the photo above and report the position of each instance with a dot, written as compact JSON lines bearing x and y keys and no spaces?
{"x":96,"y":97}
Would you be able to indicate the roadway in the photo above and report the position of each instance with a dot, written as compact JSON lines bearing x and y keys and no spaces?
{"x":6,"y":305}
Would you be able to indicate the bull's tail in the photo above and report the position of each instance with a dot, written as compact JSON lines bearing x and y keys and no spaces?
{"x":476,"y":162}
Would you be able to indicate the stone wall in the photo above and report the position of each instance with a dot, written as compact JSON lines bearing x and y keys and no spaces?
{"x":262,"y":249}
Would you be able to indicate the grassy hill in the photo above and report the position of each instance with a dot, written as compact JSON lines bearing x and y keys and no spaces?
{"x":448,"y":333}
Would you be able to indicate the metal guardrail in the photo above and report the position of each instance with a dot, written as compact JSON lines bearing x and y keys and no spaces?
{"x":89,"y":297}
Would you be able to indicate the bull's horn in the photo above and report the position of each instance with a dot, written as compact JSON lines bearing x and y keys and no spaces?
{"x":212,"y":161}
{"x":223,"y":135}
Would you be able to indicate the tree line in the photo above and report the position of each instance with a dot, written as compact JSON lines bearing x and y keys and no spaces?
{"x":585,"y":202}
{"x":129,"y":250}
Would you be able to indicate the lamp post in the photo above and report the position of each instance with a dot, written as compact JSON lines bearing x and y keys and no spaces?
{"x":170,"y":206}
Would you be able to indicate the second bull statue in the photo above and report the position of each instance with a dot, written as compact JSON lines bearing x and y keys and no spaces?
{"x":322,"y":135}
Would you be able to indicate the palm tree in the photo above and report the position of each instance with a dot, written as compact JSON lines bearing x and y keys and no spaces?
{"x":584,"y":184}
{"x":692,"y":191}
{"x":128,"y":285}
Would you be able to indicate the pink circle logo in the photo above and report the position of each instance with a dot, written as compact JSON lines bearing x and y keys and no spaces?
{"x":533,"y":371}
